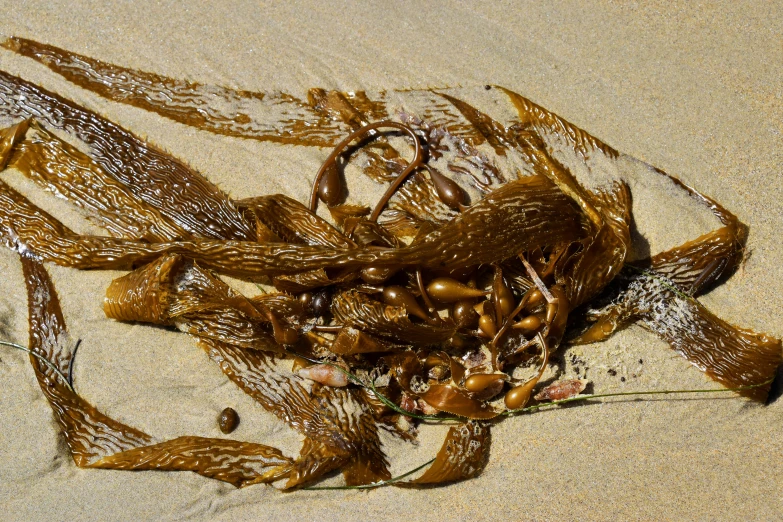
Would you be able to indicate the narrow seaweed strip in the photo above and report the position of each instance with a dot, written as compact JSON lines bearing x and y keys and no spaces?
{"x":375,"y":484}
{"x":70,"y":366}
{"x":42,"y":359}
{"x":537,"y":407}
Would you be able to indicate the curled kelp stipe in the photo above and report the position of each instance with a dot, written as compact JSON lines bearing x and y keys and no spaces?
{"x":444,"y":299}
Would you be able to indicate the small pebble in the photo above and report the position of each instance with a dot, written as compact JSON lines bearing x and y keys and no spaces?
{"x":228,"y":420}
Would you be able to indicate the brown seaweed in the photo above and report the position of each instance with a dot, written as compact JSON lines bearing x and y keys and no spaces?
{"x":429,"y":328}
{"x":97,"y":441}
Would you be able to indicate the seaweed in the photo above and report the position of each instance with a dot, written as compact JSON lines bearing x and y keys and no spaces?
{"x":441,"y":302}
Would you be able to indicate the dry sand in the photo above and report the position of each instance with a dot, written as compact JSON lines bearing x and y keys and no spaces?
{"x":696,"y":91}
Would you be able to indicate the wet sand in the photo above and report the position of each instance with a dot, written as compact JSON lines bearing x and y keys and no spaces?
{"x":694,"y":91}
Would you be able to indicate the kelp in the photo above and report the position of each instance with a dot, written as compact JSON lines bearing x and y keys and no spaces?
{"x":64,"y":170}
{"x":422,"y":306}
{"x":462,"y":455}
{"x":154,"y":177}
{"x":356,"y":310}
{"x":98,"y":441}
{"x":279,"y":117}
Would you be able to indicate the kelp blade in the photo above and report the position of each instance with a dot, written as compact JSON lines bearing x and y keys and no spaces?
{"x":462,"y":456}
{"x":155,"y":177}
{"x":98,"y":441}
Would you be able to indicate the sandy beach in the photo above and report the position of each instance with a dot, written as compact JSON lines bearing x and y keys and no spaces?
{"x":695,"y":91}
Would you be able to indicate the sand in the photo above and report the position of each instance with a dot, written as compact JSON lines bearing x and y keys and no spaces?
{"x":695,"y":91}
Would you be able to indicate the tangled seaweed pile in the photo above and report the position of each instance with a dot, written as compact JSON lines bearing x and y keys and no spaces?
{"x":492,"y":246}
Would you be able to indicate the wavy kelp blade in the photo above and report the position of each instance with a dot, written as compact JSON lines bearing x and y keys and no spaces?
{"x":418,"y":198}
{"x":238,"y":463}
{"x":356,"y":310}
{"x":9,"y":139}
{"x":533,"y":115}
{"x":732,"y":356}
{"x":355,"y":109}
{"x":309,"y":280}
{"x":517,"y":217}
{"x":98,"y":441}
{"x":90,"y":434}
{"x":520,"y":216}
{"x":293,"y":222}
{"x":160,"y":180}
{"x":335,"y":417}
{"x":144,"y":295}
{"x":462,"y":456}
{"x":174,"y":290}
{"x":276,"y":117}
{"x":66,"y":171}
{"x":492,"y":131}
{"x":602,"y":256}
{"x":314,"y":461}
{"x":701,"y":262}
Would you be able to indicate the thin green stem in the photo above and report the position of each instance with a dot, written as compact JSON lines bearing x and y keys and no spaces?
{"x":385,"y":400}
{"x":628,"y":394}
{"x":42,"y":359}
{"x":436,"y":418}
{"x":375,"y":484}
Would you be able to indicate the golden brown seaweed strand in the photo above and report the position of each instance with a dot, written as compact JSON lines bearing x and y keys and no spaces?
{"x":439,"y":113}
{"x":294,"y":223}
{"x":64,"y":170}
{"x":98,"y":441}
{"x":463,"y":455}
{"x":173,"y":290}
{"x":701,"y":262}
{"x":522,"y":215}
{"x":162,"y":181}
{"x":9,"y":139}
{"x":336,"y":417}
{"x":457,"y":401}
{"x":90,"y":435}
{"x":513,"y":218}
{"x":356,"y":310}
{"x":355,"y":109}
{"x":733,"y":356}
{"x":238,"y":463}
{"x":597,"y":263}
{"x":276,"y":117}
{"x":491,"y":130}
{"x":314,"y":461}
{"x":531,"y":114}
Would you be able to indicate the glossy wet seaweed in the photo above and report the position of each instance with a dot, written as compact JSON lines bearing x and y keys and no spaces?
{"x":432,"y":306}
